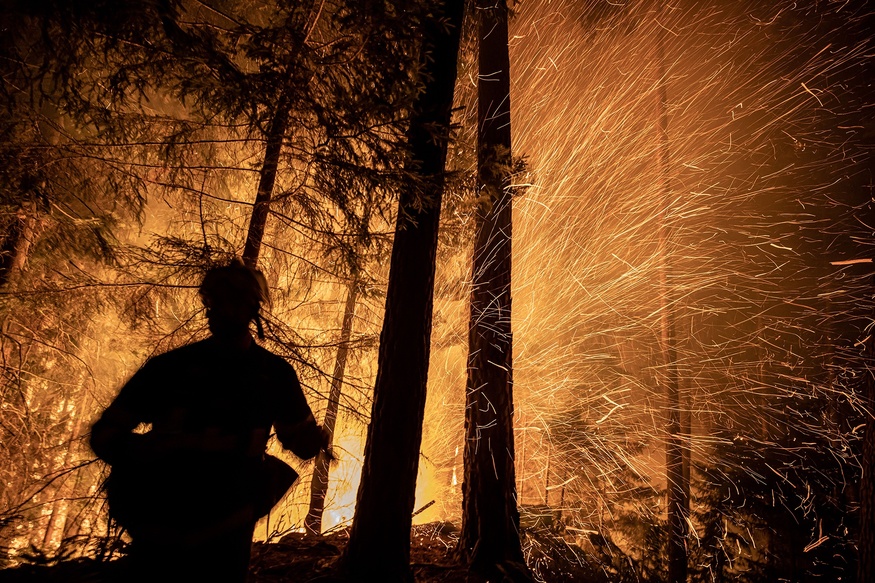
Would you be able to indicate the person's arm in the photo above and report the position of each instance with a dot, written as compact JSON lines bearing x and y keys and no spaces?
{"x":304,"y":438}
{"x":295,"y":426}
{"x":112,"y":437}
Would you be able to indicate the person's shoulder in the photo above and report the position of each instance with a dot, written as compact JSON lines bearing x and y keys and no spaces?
{"x":272,"y":360}
{"x":267,"y":356}
{"x":179,"y":354}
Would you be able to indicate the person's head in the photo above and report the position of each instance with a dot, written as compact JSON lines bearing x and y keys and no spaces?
{"x":232,"y":295}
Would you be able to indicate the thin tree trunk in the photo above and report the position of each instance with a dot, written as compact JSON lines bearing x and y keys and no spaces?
{"x":15,"y":248}
{"x":547,"y":473}
{"x":319,"y":485}
{"x":866,"y":544}
{"x":73,"y":521}
{"x":490,"y":538}
{"x":522,"y":464}
{"x":379,"y":543}
{"x":687,"y":444}
{"x":267,"y":178}
{"x":674,"y":458}
{"x":64,"y":490}
{"x":275,"y":134}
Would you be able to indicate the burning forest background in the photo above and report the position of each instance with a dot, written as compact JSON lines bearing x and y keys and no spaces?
{"x":692,"y":256}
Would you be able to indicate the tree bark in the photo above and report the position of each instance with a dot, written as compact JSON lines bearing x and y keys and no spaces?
{"x":490,"y":538}
{"x":379,"y":543}
{"x":319,"y":485}
{"x":674,"y":446}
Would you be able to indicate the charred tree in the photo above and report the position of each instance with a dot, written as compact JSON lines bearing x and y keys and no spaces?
{"x":379,"y":543}
{"x":319,"y":485}
{"x":490,"y":538}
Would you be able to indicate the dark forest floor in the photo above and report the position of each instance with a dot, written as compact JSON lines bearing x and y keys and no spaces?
{"x":295,"y":558}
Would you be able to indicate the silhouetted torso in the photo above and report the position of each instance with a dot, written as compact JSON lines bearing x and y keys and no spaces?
{"x":205,"y":387}
{"x":189,"y":490}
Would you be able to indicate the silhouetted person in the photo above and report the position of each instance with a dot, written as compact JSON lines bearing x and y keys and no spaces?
{"x":190,"y":490}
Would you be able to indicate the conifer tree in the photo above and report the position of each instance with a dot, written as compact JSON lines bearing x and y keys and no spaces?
{"x":379,"y":544}
{"x":490,"y":538}
{"x":167,"y":99}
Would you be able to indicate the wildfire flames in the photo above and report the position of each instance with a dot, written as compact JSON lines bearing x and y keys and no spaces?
{"x":765,"y":211}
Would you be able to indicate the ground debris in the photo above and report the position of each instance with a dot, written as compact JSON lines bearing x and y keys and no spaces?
{"x":296,"y":557}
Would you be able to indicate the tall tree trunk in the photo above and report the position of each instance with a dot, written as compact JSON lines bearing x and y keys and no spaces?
{"x":319,"y":485}
{"x":267,"y":178}
{"x":490,"y":539}
{"x":379,"y":543}
{"x":674,"y":457}
{"x":866,"y":545}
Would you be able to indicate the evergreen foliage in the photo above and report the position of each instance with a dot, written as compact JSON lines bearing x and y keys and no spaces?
{"x":117,"y":109}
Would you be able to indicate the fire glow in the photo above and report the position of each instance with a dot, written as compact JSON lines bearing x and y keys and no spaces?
{"x":763,"y":242}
